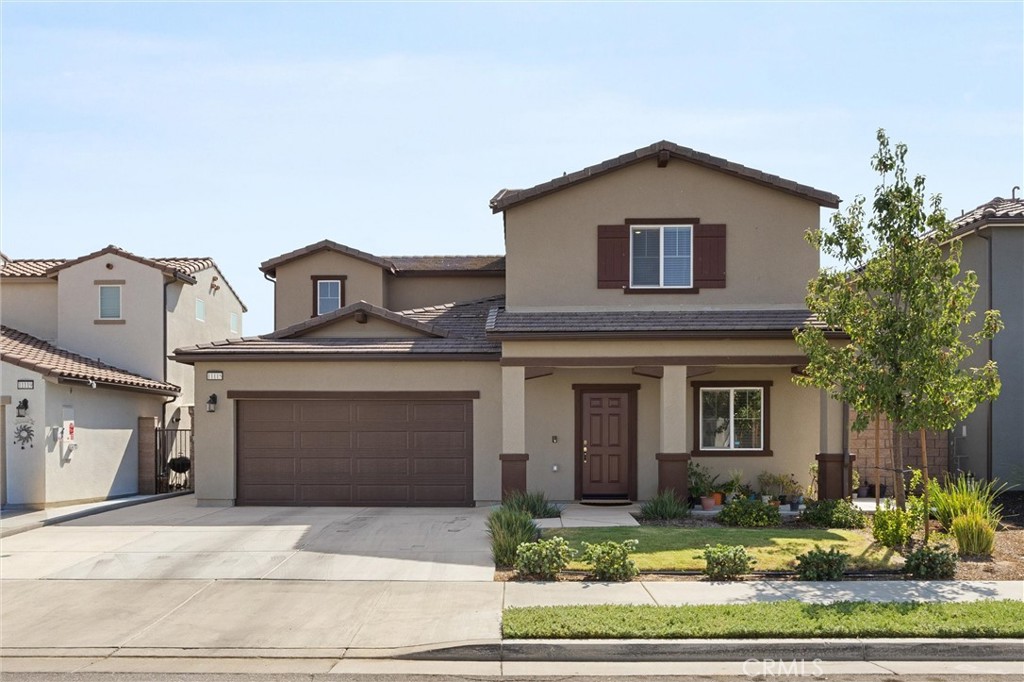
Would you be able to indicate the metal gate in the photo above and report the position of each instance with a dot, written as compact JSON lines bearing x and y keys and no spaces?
{"x":174,"y":460}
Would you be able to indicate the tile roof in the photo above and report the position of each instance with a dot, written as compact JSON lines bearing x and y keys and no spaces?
{"x":650,"y":323}
{"x":462,"y":322}
{"x":28,"y":267}
{"x":298,"y":330}
{"x":394,"y":264}
{"x":997,"y":210}
{"x":447,"y":264}
{"x":24,"y":350}
{"x":664,"y":150}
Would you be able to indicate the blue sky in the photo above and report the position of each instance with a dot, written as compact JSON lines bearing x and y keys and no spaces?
{"x":243,"y":130}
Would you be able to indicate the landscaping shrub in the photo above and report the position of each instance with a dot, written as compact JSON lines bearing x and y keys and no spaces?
{"x":833,"y":514}
{"x":665,"y":506}
{"x":931,"y":563}
{"x":726,"y":562}
{"x":974,"y":535}
{"x":749,"y":514}
{"x":610,"y":560}
{"x":535,"y":504}
{"x":964,"y":495}
{"x":508,"y":529}
{"x":893,"y":527}
{"x":543,"y":559}
{"x":818,"y":564}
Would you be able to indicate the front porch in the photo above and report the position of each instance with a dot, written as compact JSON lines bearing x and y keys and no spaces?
{"x":605,"y":428}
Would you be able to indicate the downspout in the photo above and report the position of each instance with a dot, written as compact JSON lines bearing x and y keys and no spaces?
{"x":988,"y":420}
{"x":163,"y":407}
{"x":274,"y":282}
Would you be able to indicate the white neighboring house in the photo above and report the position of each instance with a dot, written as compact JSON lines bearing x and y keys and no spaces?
{"x":86,"y":342}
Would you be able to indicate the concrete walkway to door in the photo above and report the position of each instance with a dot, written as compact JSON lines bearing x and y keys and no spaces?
{"x":175,"y":540}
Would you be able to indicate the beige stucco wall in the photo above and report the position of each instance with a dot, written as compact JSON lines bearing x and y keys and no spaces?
{"x":373,"y":328}
{"x":30,"y":306}
{"x":293,"y":291}
{"x":104,"y":462}
{"x":137,"y":345}
{"x":405,"y":293}
{"x":551,"y":242}
{"x":183,"y":329}
{"x":215,"y":433}
{"x":550,"y":411}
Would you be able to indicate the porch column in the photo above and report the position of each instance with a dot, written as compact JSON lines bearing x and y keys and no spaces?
{"x":513,"y":429}
{"x":673,"y":455}
{"x":835,"y":463}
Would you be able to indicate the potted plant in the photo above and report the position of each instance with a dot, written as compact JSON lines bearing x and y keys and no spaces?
{"x":733,"y":485}
{"x":794,"y":493}
{"x":700,"y":484}
{"x":859,"y":489}
{"x":715,"y":491}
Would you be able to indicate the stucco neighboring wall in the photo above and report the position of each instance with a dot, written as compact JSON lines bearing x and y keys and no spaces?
{"x":405,"y":293}
{"x":26,"y":479}
{"x":136,"y":343}
{"x":293,"y":291}
{"x":215,"y":433}
{"x":373,"y":328}
{"x":30,"y":306}
{"x":971,"y":450}
{"x":183,"y":329}
{"x":1008,"y":352}
{"x":551,"y":242}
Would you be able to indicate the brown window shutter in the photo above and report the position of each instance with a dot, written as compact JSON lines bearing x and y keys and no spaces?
{"x":709,"y":256}
{"x":612,"y":256}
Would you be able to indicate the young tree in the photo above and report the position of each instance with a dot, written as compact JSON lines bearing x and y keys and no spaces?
{"x":900,"y":296}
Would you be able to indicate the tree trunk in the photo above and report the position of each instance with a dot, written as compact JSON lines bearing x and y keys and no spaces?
{"x":924,"y":481}
{"x":897,"y":464}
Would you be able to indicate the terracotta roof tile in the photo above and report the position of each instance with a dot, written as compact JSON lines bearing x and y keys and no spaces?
{"x":448,"y":263}
{"x":28,"y":267}
{"x":507,"y":198}
{"x":24,"y":350}
{"x":997,"y":210}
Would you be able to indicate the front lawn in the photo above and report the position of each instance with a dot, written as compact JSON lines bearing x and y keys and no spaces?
{"x":789,"y":619}
{"x":676,"y":549}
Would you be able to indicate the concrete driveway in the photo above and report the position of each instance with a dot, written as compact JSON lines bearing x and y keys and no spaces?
{"x":175,"y":540}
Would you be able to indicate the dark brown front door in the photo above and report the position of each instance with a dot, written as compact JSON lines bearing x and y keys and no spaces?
{"x":605,"y":437}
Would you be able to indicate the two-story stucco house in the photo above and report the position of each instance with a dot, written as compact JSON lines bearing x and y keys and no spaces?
{"x":643,"y":315}
{"x":85,"y":346}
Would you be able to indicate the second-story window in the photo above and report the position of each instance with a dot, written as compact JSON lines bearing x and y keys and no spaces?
{"x":661,"y":256}
{"x":200,"y":310}
{"x":110,"y":302}
{"x":328,"y":296}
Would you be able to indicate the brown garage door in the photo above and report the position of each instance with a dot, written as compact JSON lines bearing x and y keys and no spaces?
{"x":375,"y":452}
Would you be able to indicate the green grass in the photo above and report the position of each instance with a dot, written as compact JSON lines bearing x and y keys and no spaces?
{"x":789,"y":619}
{"x":676,"y":549}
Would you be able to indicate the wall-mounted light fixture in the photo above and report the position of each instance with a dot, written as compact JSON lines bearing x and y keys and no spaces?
{"x":211,"y":404}
{"x":22,"y":407}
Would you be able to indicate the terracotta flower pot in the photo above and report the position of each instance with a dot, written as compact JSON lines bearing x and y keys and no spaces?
{"x":719,"y":498}
{"x":707,"y":503}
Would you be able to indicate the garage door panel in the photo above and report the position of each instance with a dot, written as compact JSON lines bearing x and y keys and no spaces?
{"x":324,"y":495}
{"x":325,"y":439}
{"x":381,"y":411}
{"x":440,"y":466}
{"x":329,"y":411}
{"x":440,"y":412}
{"x":317,"y":466}
{"x":439,"y":440}
{"x":355,"y":452}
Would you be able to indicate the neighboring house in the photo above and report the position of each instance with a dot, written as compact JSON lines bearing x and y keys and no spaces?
{"x":990,"y":442}
{"x":86,"y":342}
{"x":648,"y":318}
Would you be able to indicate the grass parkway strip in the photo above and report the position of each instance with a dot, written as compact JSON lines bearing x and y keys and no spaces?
{"x":788,"y":619}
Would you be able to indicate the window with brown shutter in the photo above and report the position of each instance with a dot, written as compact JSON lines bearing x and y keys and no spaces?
{"x":614,"y":266}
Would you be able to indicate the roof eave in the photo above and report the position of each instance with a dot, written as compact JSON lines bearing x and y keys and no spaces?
{"x":152,"y":390}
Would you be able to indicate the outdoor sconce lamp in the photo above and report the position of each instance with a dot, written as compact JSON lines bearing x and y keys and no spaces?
{"x":211,"y":404}
{"x":22,"y":408}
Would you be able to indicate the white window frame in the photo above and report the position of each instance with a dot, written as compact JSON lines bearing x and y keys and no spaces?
{"x":319,"y":297}
{"x":233,"y":321}
{"x":99,"y":302}
{"x":200,"y":310}
{"x":661,"y":256}
{"x":732,"y":423}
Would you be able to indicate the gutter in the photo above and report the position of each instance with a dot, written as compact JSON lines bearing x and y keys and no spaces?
{"x":92,"y":383}
{"x":274,"y":282}
{"x":163,"y":312}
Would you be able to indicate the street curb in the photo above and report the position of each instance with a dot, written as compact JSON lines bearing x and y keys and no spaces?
{"x":618,"y":650}
{"x":82,"y":513}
